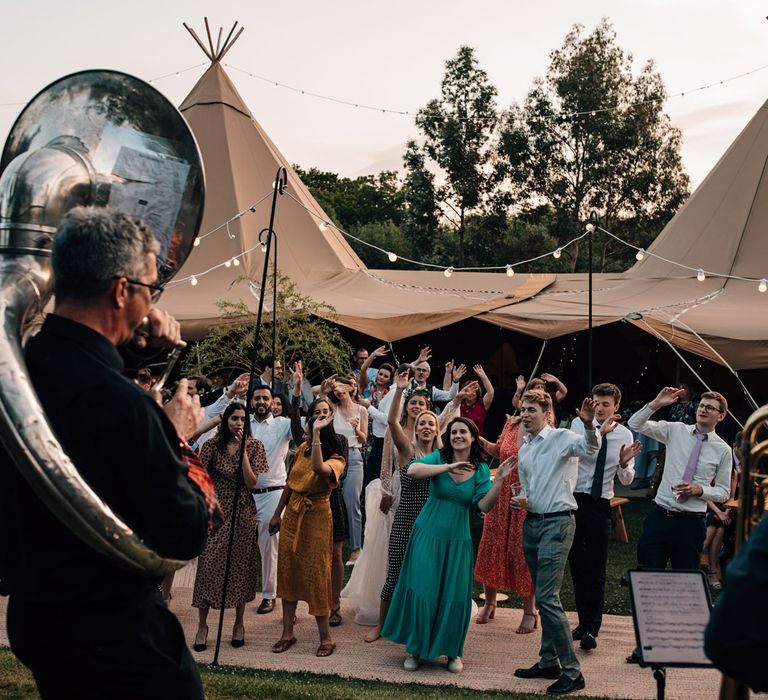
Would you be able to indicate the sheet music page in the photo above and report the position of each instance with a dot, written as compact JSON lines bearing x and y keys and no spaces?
{"x":672,"y":610}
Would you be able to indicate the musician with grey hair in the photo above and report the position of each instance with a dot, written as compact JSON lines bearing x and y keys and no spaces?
{"x":85,"y":626}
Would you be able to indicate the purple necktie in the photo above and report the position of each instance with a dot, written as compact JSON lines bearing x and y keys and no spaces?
{"x":693,"y":461}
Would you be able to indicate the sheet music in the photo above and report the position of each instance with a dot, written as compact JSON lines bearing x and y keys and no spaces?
{"x":672,"y":610}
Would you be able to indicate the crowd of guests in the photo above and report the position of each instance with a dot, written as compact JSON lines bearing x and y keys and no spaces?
{"x":414,"y":457}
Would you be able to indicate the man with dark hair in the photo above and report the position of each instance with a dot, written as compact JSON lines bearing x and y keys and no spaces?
{"x":85,"y":626}
{"x":275,"y":433}
{"x":546,"y":478}
{"x":272,"y":375}
{"x":593,"y":493}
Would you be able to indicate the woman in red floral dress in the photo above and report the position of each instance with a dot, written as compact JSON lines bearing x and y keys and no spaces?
{"x":500,"y":560}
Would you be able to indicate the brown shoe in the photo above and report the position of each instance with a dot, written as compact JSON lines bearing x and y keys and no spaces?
{"x":282,"y":645}
{"x":325,"y":649}
{"x":267,"y":606}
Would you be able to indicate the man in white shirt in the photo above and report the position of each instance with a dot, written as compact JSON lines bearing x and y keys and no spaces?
{"x":697,"y":467}
{"x":275,"y":433}
{"x":547,"y":476}
{"x":593,"y":493}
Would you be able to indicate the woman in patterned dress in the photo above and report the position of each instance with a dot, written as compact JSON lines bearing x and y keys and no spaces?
{"x":220,"y":456}
{"x":306,"y":531}
{"x":500,"y":561}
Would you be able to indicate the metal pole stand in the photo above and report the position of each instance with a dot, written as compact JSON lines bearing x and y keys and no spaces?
{"x":661,"y":680}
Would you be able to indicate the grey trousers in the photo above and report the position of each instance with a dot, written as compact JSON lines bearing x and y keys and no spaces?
{"x":546,"y":543}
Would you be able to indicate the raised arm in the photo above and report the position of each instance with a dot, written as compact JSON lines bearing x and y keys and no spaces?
{"x":489,"y":500}
{"x":519,"y":390}
{"x":401,"y":441}
{"x":318,"y":465}
{"x":654,"y":429}
{"x":488,"y":397}
{"x":423,"y":470}
{"x":362,"y":378}
{"x":560,"y":391}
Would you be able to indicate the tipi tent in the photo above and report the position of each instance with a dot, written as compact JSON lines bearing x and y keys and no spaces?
{"x":241,"y":163}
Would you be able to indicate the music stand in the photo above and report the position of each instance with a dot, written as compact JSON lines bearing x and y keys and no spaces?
{"x":670,"y":610}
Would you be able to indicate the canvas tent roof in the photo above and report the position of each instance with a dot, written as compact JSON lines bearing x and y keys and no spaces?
{"x":241,"y":162}
{"x":721,"y":229}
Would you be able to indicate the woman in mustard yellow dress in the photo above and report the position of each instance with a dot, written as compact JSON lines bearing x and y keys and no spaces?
{"x":306,"y":530}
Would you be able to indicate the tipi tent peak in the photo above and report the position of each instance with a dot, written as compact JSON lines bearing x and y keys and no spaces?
{"x":215,"y":54}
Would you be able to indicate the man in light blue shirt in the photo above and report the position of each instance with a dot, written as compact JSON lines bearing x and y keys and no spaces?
{"x":547,"y":478}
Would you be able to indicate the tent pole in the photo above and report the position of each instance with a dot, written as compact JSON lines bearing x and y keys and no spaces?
{"x":594,"y":219}
{"x":281,"y":183}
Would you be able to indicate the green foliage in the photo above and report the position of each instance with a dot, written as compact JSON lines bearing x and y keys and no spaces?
{"x":364,"y":200}
{"x":301,"y":334}
{"x":388,"y":236}
{"x":420,"y":221}
{"x":564,"y":149}
{"x":458,"y":128}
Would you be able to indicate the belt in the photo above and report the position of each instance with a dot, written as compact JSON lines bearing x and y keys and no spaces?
{"x":680,"y":513}
{"x":541,"y":516}
{"x":268,"y":489}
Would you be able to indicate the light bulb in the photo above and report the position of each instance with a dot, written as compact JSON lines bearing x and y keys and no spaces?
{"x":510,"y":271}
{"x":228,"y":263}
{"x":196,"y":243}
{"x":263,"y":247}
{"x":193,"y":281}
{"x":392,"y":257}
{"x":557,"y":254}
{"x":701,"y":276}
{"x":448,"y":271}
{"x":235,"y":262}
{"x":763,"y":286}
{"x":640,"y":254}
{"x":590,"y":228}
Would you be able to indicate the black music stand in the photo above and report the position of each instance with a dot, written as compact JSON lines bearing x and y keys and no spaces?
{"x":670,"y":610}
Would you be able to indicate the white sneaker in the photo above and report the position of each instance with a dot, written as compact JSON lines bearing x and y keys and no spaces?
{"x":455,"y":665}
{"x":411,"y":662}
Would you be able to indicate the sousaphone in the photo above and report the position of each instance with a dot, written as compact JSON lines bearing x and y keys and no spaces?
{"x":98,"y":138}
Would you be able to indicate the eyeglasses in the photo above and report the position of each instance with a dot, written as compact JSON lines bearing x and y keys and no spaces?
{"x":155,"y":290}
{"x":710,"y":408}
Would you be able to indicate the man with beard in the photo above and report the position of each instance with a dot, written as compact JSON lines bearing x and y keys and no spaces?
{"x":275,"y":433}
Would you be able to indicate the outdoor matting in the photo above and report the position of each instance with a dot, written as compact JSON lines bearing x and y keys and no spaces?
{"x":492,"y":653}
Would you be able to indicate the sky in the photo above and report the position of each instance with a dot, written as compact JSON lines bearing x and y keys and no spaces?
{"x":389,"y":55}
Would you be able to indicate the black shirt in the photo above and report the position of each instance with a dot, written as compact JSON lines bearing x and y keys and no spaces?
{"x":125,"y":448}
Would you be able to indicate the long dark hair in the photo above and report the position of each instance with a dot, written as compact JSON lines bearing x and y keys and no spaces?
{"x":225,"y":434}
{"x":476,"y":453}
{"x":342,"y":380}
{"x":330,"y":442}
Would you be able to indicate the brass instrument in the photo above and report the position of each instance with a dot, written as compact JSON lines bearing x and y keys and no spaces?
{"x":753,"y":489}
{"x":98,"y":138}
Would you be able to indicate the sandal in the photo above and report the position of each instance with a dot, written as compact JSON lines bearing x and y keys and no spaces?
{"x":282,"y":645}
{"x":334,"y":619}
{"x":486,"y":614}
{"x":525,"y":629}
{"x":714,"y":582}
{"x":325,"y":649}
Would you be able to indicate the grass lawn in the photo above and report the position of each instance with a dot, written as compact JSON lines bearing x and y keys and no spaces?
{"x":228,"y":683}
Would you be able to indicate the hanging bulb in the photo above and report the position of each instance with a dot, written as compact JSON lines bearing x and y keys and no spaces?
{"x":763,"y":286}
{"x":701,"y":276}
{"x":263,"y":247}
{"x":640,"y":254}
{"x":235,"y":262}
{"x":558,"y":253}
{"x":448,"y":271}
{"x":193,"y":281}
{"x":392,"y":257}
{"x":228,"y":263}
{"x":196,"y":243}
{"x":590,"y":228}
{"x":510,"y":271}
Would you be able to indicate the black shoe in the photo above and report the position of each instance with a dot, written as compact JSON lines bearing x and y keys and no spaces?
{"x":578,"y":633}
{"x":537,"y":671}
{"x":566,"y":685}
{"x":204,"y":645}
{"x":267,"y":606}
{"x":633,"y":658}
{"x":588,"y":642}
{"x":237,"y":643}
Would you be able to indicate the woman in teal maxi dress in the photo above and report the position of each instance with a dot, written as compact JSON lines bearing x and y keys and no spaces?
{"x":432,"y":603}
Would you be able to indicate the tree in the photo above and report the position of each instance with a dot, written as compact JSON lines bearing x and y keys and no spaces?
{"x":589,"y":135}
{"x":420,"y":220}
{"x":458,"y":129}
{"x":302,"y":334}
